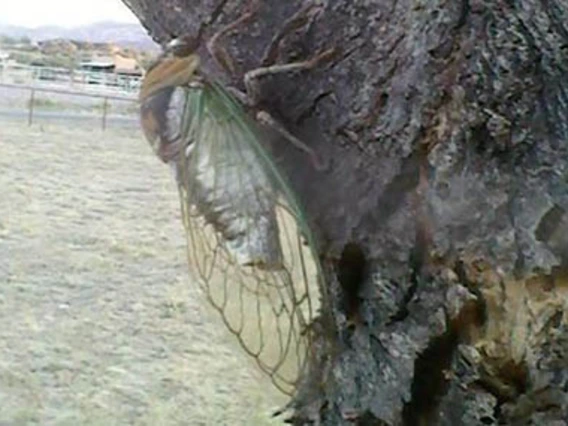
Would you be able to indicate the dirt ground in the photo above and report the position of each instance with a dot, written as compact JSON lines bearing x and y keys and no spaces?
{"x":99,"y":324}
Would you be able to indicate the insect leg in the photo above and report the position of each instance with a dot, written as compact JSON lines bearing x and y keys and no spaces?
{"x":218,"y":52}
{"x":300,"y":19}
{"x":241,"y":96}
{"x":251,"y":79}
{"x":266,"y":119}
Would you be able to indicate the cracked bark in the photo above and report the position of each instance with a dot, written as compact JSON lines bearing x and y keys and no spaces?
{"x":446,"y":127}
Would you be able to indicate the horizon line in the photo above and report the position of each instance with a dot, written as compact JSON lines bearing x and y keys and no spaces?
{"x":102,"y":21}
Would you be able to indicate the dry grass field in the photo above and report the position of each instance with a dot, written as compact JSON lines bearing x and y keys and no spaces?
{"x":99,"y":324}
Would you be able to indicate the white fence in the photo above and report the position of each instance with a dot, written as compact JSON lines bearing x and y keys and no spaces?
{"x":62,"y":78}
{"x":63,"y":106}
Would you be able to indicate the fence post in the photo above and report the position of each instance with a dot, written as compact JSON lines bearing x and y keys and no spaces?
{"x":31,"y":107}
{"x":105,"y":104}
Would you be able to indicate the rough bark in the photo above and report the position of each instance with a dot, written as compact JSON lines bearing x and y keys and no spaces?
{"x":441,"y":217}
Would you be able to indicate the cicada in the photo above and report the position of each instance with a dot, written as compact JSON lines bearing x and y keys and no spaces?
{"x":250,"y":248}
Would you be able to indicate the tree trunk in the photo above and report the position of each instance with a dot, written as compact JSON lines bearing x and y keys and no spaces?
{"x":441,"y":217}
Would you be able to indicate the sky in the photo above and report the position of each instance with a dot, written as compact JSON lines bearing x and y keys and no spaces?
{"x":64,"y":13}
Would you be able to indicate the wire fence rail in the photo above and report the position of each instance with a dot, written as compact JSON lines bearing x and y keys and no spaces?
{"x":131,"y":99}
{"x":77,"y":78}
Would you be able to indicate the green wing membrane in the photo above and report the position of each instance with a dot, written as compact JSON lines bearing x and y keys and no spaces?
{"x":249,"y":246}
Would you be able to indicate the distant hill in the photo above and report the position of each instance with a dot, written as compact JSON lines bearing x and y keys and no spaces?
{"x":121,"y":34}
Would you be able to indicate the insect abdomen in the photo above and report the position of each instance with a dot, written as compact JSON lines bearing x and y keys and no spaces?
{"x":230,"y":188}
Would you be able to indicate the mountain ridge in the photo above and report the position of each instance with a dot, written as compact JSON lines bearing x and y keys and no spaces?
{"x":131,"y":35}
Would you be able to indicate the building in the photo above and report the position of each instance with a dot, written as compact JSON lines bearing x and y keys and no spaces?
{"x":99,"y":64}
{"x":116,"y":64}
{"x":127,"y":66}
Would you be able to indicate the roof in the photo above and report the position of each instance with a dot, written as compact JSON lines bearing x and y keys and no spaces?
{"x":97,"y":64}
{"x":125,"y":64}
{"x":119,"y":63}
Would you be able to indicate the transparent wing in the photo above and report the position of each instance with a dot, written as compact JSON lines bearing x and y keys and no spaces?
{"x":249,"y":246}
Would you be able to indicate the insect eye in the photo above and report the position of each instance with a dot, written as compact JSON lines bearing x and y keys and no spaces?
{"x":183,"y":46}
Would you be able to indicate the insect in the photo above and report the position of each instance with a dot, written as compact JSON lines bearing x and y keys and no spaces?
{"x":250,"y":248}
